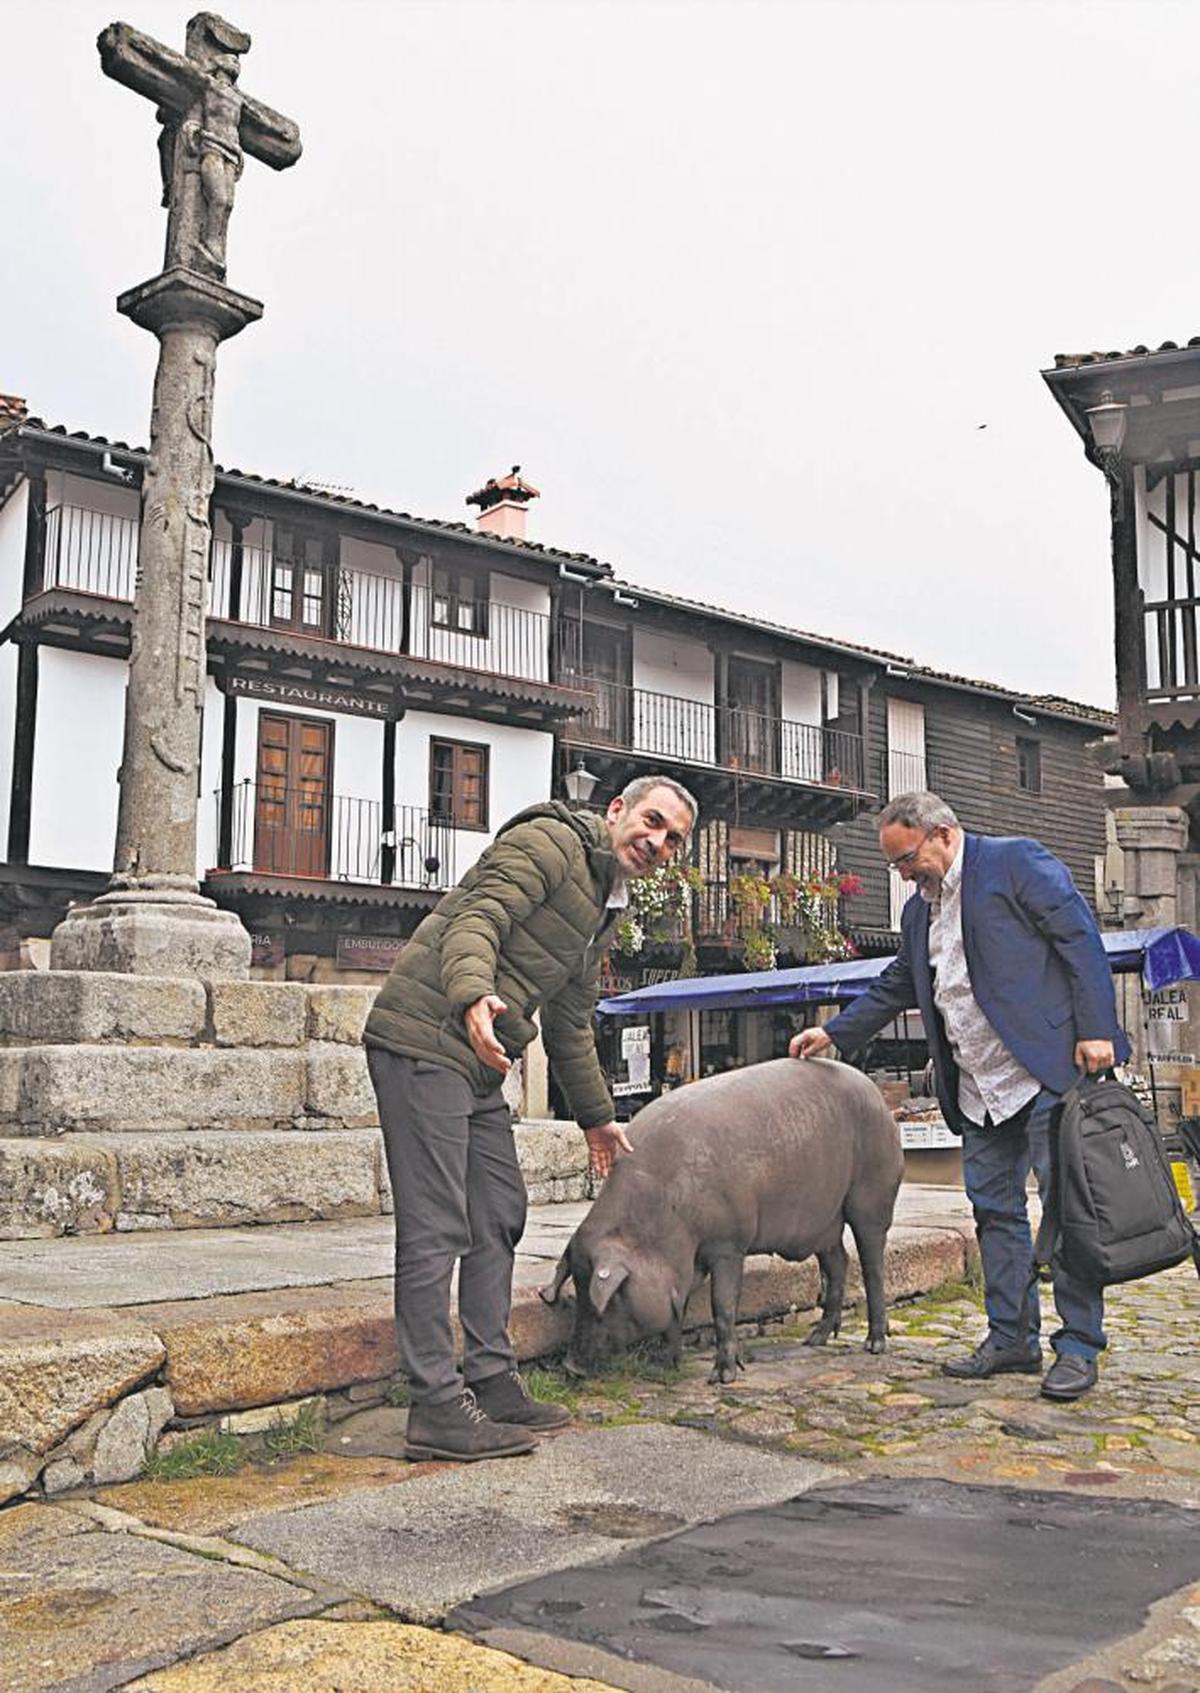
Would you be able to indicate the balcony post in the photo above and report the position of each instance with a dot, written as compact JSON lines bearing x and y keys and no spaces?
{"x":387,"y":820}
{"x":35,"y":536}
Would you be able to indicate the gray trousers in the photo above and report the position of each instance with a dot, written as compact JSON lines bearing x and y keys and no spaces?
{"x":460,"y":1198}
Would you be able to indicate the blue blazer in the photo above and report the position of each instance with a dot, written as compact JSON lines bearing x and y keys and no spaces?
{"x":1037,"y":965}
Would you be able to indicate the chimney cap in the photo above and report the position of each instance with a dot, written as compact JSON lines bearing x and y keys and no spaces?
{"x":497,"y":488}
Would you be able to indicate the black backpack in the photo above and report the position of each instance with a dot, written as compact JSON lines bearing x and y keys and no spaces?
{"x":1113,"y":1213}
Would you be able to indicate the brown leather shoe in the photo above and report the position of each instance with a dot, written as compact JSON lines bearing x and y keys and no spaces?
{"x":458,"y":1431}
{"x":506,"y":1399}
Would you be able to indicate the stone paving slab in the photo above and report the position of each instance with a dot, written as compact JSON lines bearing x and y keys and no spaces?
{"x":459,"y":1530}
{"x":140,"y":1268}
{"x":363,"y":1657}
{"x":82,"y":1610}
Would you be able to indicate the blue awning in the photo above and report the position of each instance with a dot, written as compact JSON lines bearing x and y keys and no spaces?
{"x":1162,"y":955}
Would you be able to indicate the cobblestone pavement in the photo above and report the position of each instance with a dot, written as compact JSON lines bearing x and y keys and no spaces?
{"x":1137,"y":1431}
{"x":1136,"y":1434}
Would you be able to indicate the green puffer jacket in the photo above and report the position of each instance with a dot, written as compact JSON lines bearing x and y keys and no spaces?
{"x":529,"y":922}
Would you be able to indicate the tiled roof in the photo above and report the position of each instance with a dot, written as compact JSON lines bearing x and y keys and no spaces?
{"x":343,"y":502}
{"x":1051,"y":704}
{"x":1075,"y":361}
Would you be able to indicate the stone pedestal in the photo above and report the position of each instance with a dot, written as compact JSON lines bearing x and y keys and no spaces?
{"x":152,"y":933}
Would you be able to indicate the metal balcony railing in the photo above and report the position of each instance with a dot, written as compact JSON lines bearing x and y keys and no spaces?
{"x":91,"y":552}
{"x":276,"y":830}
{"x":690,"y":731}
{"x":365,"y":609}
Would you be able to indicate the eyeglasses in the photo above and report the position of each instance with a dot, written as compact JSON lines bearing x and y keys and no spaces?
{"x":909,"y":857}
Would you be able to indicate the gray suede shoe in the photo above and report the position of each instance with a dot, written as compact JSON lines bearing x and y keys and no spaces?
{"x":458,"y":1431}
{"x":506,"y":1399}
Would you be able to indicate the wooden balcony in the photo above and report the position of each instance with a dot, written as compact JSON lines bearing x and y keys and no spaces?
{"x":783,"y":769}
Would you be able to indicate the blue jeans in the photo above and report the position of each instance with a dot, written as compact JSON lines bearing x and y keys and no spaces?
{"x":996,"y":1164}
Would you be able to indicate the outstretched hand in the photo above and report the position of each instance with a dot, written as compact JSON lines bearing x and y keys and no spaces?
{"x":483,"y":1038}
{"x":605,"y":1144}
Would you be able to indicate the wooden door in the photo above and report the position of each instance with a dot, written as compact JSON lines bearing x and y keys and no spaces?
{"x":292,"y":795}
{"x":754,"y":715}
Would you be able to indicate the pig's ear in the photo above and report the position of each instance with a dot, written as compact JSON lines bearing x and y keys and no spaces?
{"x":550,"y":1294}
{"x":606,"y":1279}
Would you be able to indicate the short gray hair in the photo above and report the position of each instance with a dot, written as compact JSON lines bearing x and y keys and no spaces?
{"x":921,"y":810}
{"x":633,"y":791}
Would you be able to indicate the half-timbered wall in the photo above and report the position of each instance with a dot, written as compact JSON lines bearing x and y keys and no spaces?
{"x":80,"y":726}
{"x":1167,"y":530}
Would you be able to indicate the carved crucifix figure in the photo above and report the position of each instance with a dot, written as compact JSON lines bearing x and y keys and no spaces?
{"x":153,"y":918}
{"x":208,"y":123}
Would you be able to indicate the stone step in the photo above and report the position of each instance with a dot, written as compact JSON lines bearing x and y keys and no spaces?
{"x":53,"y":1089}
{"x":81,"y":1183}
{"x":106,"y":1341}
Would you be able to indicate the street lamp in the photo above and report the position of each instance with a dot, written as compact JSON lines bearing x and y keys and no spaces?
{"x":1107,"y":422}
{"x":580,"y":784}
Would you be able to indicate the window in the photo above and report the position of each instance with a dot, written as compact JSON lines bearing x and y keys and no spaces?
{"x":460,"y":602}
{"x":458,"y":784}
{"x":1029,"y":765}
{"x":302,"y":568}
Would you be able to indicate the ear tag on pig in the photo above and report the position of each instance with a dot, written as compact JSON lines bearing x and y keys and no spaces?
{"x":606,"y":1279}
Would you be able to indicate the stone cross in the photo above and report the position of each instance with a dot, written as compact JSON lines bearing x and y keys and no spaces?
{"x":153,"y":920}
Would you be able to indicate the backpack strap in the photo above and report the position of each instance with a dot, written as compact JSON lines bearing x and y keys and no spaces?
{"x":1050,"y":1227}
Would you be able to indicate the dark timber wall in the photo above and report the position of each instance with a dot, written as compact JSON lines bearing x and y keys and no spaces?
{"x":971,"y":760}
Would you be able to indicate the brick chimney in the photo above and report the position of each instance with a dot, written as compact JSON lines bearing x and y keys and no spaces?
{"x":12,"y":411}
{"x":502,"y":501}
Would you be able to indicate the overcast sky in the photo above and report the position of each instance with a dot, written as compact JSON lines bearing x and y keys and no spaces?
{"x":737,"y":284}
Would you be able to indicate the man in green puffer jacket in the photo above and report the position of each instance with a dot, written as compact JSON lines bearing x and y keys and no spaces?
{"x":523,"y":932}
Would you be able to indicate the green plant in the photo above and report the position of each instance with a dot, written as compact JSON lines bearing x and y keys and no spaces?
{"x":207,"y":1453}
{"x":758,"y":949}
{"x":660,"y":907}
{"x":304,"y":1432}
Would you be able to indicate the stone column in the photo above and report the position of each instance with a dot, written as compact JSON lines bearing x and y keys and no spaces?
{"x":153,"y":919}
{"x":1152,"y":837}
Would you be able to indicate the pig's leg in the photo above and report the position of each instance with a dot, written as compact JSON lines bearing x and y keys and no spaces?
{"x":726,"y":1275}
{"x":833,"y":1261}
{"x":870,"y":1237}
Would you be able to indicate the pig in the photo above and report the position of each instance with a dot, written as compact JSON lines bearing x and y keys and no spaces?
{"x":777,"y":1157}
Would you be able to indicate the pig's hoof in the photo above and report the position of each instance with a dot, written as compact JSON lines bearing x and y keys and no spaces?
{"x":725,"y":1372}
{"x":819,"y":1336}
{"x":876,"y":1343}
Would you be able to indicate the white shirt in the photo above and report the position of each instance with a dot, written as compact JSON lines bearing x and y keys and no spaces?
{"x":990,"y":1079}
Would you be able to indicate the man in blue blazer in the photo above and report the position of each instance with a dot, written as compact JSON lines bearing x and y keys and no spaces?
{"x":1003,"y":958}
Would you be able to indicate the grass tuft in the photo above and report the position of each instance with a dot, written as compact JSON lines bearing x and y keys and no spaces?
{"x":304,"y":1432}
{"x":208,"y":1453}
